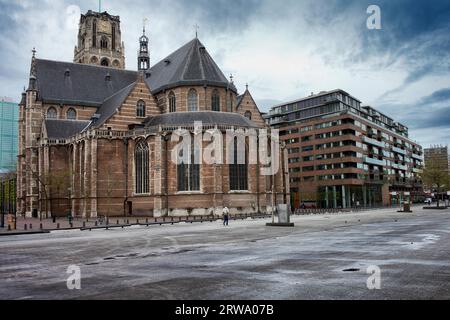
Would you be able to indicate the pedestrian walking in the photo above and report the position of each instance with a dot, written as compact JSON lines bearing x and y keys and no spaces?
{"x":225,"y":215}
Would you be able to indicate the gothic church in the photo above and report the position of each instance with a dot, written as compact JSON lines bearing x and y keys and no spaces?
{"x":94,"y":138}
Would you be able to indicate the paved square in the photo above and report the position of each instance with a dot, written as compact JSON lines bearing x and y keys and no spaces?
{"x":244,"y":261}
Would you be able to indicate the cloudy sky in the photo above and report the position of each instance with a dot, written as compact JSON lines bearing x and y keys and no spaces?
{"x":283,"y":49}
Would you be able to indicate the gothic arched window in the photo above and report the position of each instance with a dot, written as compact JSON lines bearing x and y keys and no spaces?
{"x":104,"y":43}
{"x":71,"y":114}
{"x":239,"y":171}
{"x":248,"y":115}
{"x":172,"y":102}
{"x":215,"y":101}
{"x":113,"y":42}
{"x":192,"y":100}
{"x":142,"y":168}
{"x":94,"y":34}
{"x":52,"y":113}
{"x":140,"y":109}
{"x":188,"y":174}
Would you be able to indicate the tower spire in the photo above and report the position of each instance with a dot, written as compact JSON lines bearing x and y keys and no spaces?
{"x":196,"y":30}
{"x":143,"y":25}
{"x":32,"y":82}
{"x":143,"y":55}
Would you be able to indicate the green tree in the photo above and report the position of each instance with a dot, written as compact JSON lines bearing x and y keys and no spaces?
{"x":435,"y":178}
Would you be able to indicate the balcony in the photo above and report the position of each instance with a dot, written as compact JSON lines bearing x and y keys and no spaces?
{"x":399,"y":166}
{"x":417,"y":157}
{"x":398,"y":150}
{"x":374,"y":161}
{"x":374,"y":142}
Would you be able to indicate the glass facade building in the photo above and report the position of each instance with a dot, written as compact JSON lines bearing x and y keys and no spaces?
{"x":9,"y":116}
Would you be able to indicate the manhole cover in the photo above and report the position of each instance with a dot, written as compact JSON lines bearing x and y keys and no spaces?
{"x":351,"y":270}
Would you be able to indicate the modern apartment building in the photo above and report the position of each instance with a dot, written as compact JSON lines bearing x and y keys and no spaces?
{"x":342,"y":154}
{"x":9,"y":116}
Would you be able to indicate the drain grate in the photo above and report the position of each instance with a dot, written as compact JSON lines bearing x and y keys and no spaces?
{"x":351,"y":270}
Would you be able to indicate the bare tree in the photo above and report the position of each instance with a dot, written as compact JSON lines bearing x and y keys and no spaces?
{"x":109,"y":191}
{"x":60,"y":182}
{"x":44,"y":180}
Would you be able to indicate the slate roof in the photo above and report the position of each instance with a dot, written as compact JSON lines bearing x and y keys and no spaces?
{"x":189,"y":65}
{"x":63,"y":129}
{"x":81,"y":84}
{"x":86,"y":85}
{"x":110,"y":105}
{"x":239,"y":100}
{"x":206,"y":117}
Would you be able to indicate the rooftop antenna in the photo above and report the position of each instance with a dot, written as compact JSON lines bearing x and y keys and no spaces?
{"x":196,"y":30}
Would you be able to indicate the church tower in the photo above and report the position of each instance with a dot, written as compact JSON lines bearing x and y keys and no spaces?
{"x":100,"y":40}
{"x":143,"y":55}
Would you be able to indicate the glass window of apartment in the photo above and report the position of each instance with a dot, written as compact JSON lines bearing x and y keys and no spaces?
{"x":307,"y":148}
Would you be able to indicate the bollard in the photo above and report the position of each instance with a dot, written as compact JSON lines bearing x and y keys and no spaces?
{"x":179,"y":218}
{"x":9,"y":227}
{"x":164,"y":219}
{"x":57,"y":226}
{"x":146,"y":220}
{"x":31,"y":226}
{"x":137,"y":221}
{"x":25,"y":227}
{"x":71,"y":225}
{"x":96,"y":223}
{"x":40,"y":226}
{"x":117,"y":222}
{"x":128,"y":221}
{"x":84,"y":224}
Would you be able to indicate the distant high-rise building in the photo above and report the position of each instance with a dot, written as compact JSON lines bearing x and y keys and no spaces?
{"x":438,"y":156}
{"x":9,"y":115}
